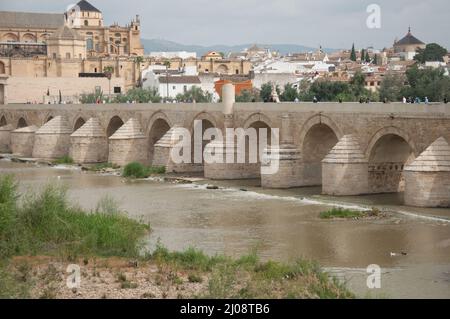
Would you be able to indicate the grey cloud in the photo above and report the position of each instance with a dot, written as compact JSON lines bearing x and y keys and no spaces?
{"x":331,"y":23}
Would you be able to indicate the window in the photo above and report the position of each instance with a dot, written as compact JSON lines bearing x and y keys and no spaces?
{"x":117,"y":89}
{"x":90,"y":44}
{"x":54,"y":55}
{"x":173,"y":87}
{"x":86,"y":23}
{"x":95,"y":70}
{"x":185,"y":88}
{"x":67,"y":55}
{"x":237,"y":71}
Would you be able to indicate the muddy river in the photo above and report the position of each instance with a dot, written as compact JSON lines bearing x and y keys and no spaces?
{"x":411,"y":245}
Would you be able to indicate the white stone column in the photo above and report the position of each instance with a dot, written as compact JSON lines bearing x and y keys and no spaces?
{"x":228,"y":98}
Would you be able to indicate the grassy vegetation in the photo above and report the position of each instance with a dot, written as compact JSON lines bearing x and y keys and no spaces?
{"x":102,"y":166}
{"x":341,"y":213}
{"x":349,"y":214}
{"x":248,"y":277}
{"x":64,"y":160}
{"x":138,"y":170}
{"x":45,"y":223}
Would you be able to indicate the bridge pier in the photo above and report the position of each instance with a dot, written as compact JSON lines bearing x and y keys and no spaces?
{"x":228,"y":169}
{"x":128,"y":144}
{"x":5,"y":138}
{"x":290,"y":167}
{"x":52,"y":140}
{"x":163,"y":149}
{"x":427,"y":178}
{"x":89,"y":143}
{"x":345,"y":169}
{"x":22,"y":141}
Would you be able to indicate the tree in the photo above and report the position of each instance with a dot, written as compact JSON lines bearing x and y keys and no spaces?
{"x":247,"y":96}
{"x":108,"y":71}
{"x":375,"y":59}
{"x":367,"y":57}
{"x":432,"y":52}
{"x":392,"y":87}
{"x":358,"y":84}
{"x":363,"y":55}
{"x":289,"y":94}
{"x":139,"y":95}
{"x":195,"y":94}
{"x":431,"y":83}
{"x":266,"y":91}
{"x":353,"y":54}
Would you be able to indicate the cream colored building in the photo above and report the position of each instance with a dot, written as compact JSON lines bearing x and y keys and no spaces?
{"x":65,"y":52}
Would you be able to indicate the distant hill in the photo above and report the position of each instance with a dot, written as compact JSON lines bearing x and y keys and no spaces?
{"x":158,"y":45}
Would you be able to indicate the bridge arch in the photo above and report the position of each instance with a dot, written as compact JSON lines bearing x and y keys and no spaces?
{"x":114,"y":124}
{"x":3,"y":121}
{"x":388,"y":151}
{"x":79,"y":122}
{"x":158,"y":126}
{"x":22,"y":122}
{"x":257,"y":117}
{"x":206,"y":121}
{"x":317,"y":137}
{"x":256,"y":121}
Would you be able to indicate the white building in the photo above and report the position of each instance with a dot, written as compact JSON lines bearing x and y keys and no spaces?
{"x":173,"y":55}
{"x":176,"y":85}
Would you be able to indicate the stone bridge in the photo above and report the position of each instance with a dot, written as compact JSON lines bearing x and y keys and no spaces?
{"x":349,"y":148}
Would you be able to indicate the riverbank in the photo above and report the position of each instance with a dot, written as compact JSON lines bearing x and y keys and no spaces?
{"x":106,"y":247}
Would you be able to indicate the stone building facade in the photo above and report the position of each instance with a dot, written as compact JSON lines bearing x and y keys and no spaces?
{"x":75,"y":44}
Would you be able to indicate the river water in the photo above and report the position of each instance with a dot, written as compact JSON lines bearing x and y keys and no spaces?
{"x":280,"y":224}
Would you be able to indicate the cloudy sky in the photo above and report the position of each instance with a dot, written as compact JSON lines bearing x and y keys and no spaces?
{"x":330,"y":23}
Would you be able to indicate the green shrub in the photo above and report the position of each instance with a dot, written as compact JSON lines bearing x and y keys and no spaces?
{"x":135,"y":170}
{"x":138,"y":170}
{"x":341,"y":213}
{"x":64,"y":160}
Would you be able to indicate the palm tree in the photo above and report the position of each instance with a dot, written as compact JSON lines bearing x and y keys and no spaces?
{"x":139,"y":60}
{"x":108,"y":71}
